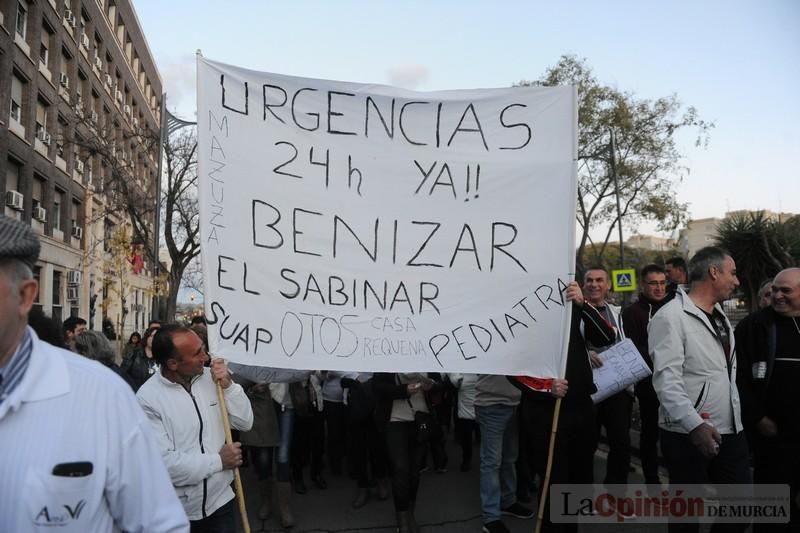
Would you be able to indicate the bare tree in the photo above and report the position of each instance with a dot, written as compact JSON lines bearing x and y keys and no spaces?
{"x":122,"y":157}
{"x":179,"y":209}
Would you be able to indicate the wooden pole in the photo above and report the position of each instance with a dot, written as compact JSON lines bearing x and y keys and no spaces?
{"x":237,"y":478}
{"x":546,"y":484}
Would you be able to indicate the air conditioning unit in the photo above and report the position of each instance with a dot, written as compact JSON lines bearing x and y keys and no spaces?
{"x":77,"y":232}
{"x":85,"y":40}
{"x":14,"y":200}
{"x":126,"y":109}
{"x":135,"y":123}
{"x":68,"y":16}
{"x":93,"y":117}
{"x":98,"y":63}
{"x":74,"y":276}
{"x":79,"y":166}
{"x":63,"y":79}
{"x":73,"y":293}
{"x":40,"y":213}
{"x":43,"y":136}
{"x":109,"y":80}
{"x":118,"y":95}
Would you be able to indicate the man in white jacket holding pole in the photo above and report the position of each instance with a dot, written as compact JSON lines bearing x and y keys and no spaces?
{"x":181,"y":402}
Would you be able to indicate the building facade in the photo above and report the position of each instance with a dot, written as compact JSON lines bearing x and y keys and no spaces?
{"x":78,"y":86}
{"x":702,"y":232}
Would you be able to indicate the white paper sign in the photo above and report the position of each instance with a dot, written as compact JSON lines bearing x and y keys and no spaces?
{"x":351,"y":226}
{"x":623,"y":366}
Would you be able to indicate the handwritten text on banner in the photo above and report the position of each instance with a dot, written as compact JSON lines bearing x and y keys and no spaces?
{"x":354,"y":226}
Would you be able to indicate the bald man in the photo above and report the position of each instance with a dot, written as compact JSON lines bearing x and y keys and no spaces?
{"x":768,"y":354}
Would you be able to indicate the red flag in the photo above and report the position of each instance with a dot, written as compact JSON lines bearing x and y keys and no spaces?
{"x":535,"y":384}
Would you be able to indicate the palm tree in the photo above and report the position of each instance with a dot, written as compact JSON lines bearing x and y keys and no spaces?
{"x":761,"y":247}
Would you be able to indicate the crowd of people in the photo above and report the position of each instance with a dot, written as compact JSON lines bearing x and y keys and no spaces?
{"x":719,"y":404}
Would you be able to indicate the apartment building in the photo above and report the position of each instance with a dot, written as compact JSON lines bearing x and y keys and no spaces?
{"x":75,"y":75}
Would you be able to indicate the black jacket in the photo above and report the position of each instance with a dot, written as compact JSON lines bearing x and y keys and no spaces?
{"x":138,"y":367}
{"x":755,"y":342}
{"x":387,"y":390}
{"x":635,"y":319}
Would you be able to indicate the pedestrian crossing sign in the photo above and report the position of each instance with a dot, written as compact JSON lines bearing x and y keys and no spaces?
{"x":623,"y":280}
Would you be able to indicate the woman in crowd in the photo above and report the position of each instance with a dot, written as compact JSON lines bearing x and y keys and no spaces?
{"x":466,"y":426}
{"x":95,"y":345}
{"x":284,"y":411}
{"x":140,"y":365}
{"x":335,"y":418}
{"x":271,"y":436}
{"x":400,"y":397}
{"x":366,"y":449}
{"x":261,"y":442}
{"x":308,"y":442}
{"x":134,"y":341}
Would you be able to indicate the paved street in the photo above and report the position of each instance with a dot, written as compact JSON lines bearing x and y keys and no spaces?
{"x":447,"y":503}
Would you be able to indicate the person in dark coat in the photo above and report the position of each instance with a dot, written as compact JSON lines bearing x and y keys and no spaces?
{"x":399,"y":397}
{"x":139,"y":365}
{"x":635,"y":319}
{"x":768,"y":372}
{"x":576,"y":437}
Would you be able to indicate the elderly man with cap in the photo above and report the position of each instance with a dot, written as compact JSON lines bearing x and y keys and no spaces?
{"x":78,"y":452}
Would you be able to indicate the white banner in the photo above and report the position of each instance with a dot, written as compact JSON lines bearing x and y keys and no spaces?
{"x":355,"y":226}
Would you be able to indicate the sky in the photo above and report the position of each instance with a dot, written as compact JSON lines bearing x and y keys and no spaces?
{"x":737,"y":62}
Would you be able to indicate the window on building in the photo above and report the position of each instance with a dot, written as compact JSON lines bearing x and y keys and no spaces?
{"x":112,"y":13}
{"x":76,"y":154}
{"x":37,"y":275}
{"x":75,"y":214}
{"x":44,"y":47}
{"x":84,"y":24}
{"x":12,"y":175}
{"x":22,"y":19}
{"x":17,"y":86}
{"x":41,"y":117}
{"x":36,"y":192}
{"x":57,"y":299}
{"x":66,"y":67}
{"x":61,"y":135}
{"x":108,"y":234}
{"x":137,"y":307}
{"x":55,"y":216}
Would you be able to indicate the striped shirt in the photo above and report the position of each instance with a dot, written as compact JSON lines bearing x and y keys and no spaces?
{"x":14,"y":371}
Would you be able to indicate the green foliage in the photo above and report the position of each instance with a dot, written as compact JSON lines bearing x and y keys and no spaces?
{"x":635,"y":258}
{"x":761,"y":247}
{"x":648,"y":162}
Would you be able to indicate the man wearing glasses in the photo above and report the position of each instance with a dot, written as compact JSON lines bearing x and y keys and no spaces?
{"x":635,"y":319}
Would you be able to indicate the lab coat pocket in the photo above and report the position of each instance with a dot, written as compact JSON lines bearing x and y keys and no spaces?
{"x":65,"y":504}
